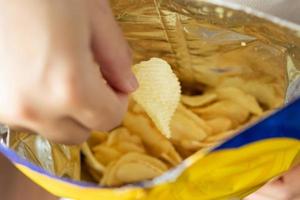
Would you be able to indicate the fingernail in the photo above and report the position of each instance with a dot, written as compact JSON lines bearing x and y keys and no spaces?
{"x":132,"y":83}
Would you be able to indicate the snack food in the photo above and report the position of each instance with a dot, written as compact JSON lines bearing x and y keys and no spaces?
{"x":138,"y":150}
{"x":158,"y":93}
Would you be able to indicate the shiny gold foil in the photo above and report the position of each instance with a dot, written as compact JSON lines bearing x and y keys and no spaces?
{"x":206,"y":42}
{"x":61,"y":160}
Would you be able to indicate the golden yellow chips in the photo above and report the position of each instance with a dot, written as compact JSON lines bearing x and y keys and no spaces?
{"x":137,"y":122}
{"x":158,"y":92}
{"x":225,"y":108}
{"x":183,"y":118}
{"x":238,"y":96}
{"x":158,"y":131}
{"x":106,"y":154}
{"x":198,"y":100}
{"x":219,"y":124}
{"x":96,"y":138}
{"x":133,"y":167}
{"x":91,"y":160}
{"x":264,"y":93}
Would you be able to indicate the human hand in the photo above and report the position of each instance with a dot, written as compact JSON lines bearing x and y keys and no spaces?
{"x":286,"y":187}
{"x":50,"y":80}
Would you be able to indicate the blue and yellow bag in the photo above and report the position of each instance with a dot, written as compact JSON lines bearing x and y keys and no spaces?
{"x":222,"y":40}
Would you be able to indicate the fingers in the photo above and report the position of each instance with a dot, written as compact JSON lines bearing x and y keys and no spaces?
{"x":70,"y":118}
{"x":62,"y":94}
{"x":99,"y":106}
{"x":26,"y":114}
{"x":111,"y":51}
{"x":72,"y":103}
{"x":86,"y":100}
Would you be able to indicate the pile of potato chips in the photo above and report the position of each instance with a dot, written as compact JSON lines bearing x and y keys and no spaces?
{"x":143,"y":148}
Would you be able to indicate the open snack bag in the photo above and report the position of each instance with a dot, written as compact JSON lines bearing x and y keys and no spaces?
{"x":216,"y":115}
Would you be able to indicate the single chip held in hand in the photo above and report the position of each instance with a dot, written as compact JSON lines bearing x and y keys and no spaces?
{"x":158,"y":93}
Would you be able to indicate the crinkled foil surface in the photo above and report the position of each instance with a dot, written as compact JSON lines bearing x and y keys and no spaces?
{"x":61,"y":160}
{"x":206,"y":42}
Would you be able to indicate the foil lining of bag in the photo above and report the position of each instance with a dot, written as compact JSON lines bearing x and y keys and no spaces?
{"x":206,"y":42}
{"x":60,"y":160}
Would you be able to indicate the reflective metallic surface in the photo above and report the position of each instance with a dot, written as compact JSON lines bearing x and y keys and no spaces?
{"x":61,"y":160}
{"x":207,"y":43}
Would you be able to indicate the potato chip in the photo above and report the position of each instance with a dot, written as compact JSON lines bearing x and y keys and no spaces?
{"x":236,"y":113}
{"x":137,"y":171}
{"x":221,"y":136}
{"x":192,"y":116}
{"x":187,"y":125}
{"x":196,"y":145}
{"x":140,"y":149}
{"x":158,"y":93}
{"x":97,"y":137}
{"x":95,"y":175}
{"x":219,"y":124}
{"x":108,"y":178}
{"x":133,"y":167}
{"x":90,"y":159}
{"x":126,"y":147}
{"x":106,"y":154}
{"x":264,"y":93}
{"x":121,"y":135}
{"x":155,"y":142}
{"x":183,"y":151}
{"x":135,"y":157}
{"x":114,"y":136}
{"x":238,"y":96}
{"x":198,"y":100}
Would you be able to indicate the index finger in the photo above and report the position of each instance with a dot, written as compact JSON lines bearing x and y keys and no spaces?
{"x":110,"y":49}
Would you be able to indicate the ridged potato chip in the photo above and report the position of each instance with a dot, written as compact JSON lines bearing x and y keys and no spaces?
{"x":158,"y":93}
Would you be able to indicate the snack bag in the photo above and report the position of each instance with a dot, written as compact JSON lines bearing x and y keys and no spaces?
{"x":216,"y":115}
